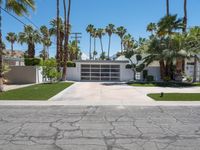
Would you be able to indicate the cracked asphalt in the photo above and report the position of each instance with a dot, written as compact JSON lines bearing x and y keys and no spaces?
{"x":99,"y":128}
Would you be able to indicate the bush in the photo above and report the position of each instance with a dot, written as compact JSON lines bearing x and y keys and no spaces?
{"x":145,"y":74}
{"x":150,"y":78}
{"x":32,"y":61}
{"x":50,"y":70}
{"x":71,"y":64}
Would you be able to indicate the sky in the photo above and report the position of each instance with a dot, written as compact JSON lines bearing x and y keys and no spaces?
{"x":134,"y":15}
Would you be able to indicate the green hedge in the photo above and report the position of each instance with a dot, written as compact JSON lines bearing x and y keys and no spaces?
{"x":32,"y":61}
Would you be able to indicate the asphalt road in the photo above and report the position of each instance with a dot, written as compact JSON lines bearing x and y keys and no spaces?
{"x":99,"y":128}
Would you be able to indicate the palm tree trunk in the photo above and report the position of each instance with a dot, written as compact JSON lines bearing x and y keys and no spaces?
{"x":101,"y":45}
{"x":12,"y":47}
{"x":58,"y":37}
{"x":167,"y":7}
{"x":109,"y":47}
{"x":121,"y":45}
{"x":162,"y":69}
{"x":1,"y":53}
{"x":90,"y":52}
{"x":31,"y":50}
{"x":67,"y":20}
{"x":94,"y":48}
{"x":195,"y":69}
{"x":185,"y":17}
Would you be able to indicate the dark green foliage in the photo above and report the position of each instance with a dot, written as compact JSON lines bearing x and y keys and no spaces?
{"x":32,"y":61}
{"x":140,"y":67}
{"x":138,"y":57}
{"x":150,"y":78}
{"x":71,"y":64}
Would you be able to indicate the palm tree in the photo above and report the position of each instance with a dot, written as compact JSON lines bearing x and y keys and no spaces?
{"x":110,"y":29}
{"x":30,"y":37}
{"x":100,"y":34}
{"x":168,"y":25}
{"x":89,"y":30}
{"x":121,"y":31}
{"x":46,"y":41}
{"x":194,"y":47}
{"x":128,"y":42}
{"x":151,"y":27}
{"x":58,"y":45}
{"x":12,"y":38}
{"x":58,"y":31}
{"x":19,"y":8}
{"x":94,"y":35}
{"x":185,"y":17}
{"x":66,"y":33}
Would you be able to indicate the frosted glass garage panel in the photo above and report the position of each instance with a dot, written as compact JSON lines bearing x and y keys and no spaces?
{"x":100,"y":72}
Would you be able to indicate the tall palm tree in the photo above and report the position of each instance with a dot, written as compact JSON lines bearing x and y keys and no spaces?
{"x":128,"y":42}
{"x":30,"y":37}
{"x":121,"y":31}
{"x":12,"y":38}
{"x":94,"y":35}
{"x":100,"y":34}
{"x":185,"y":17}
{"x":89,"y":30}
{"x":194,"y":35}
{"x":110,"y":29}
{"x":66,"y":33}
{"x":46,"y":41}
{"x":58,"y":48}
{"x":19,"y":8}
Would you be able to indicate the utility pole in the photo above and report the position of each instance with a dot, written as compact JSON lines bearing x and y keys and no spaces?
{"x":76,"y":37}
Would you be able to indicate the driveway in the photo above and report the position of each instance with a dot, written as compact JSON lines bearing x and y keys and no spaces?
{"x":99,"y":128}
{"x":109,"y":93}
{"x":97,"y":93}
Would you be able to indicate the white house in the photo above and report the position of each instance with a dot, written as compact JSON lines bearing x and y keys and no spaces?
{"x":115,"y":70}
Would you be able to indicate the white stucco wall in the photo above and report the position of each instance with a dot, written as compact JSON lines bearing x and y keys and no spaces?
{"x":24,"y":75}
{"x":74,"y":73}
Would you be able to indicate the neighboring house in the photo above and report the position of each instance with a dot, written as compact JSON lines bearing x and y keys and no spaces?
{"x":15,"y":58}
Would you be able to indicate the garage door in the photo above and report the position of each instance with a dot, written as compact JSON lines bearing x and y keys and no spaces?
{"x":100,"y":72}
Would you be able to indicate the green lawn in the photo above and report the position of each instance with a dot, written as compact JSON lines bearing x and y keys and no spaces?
{"x":35,"y":92}
{"x":163,"y":84}
{"x":176,"y":97}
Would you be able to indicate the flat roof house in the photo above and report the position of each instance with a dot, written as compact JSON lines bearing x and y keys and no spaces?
{"x":98,"y":70}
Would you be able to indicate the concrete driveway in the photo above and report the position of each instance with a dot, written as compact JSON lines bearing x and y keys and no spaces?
{"x":97,"y":93}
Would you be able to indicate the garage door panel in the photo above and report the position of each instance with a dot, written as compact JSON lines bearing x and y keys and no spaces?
{"x":100,"y":72}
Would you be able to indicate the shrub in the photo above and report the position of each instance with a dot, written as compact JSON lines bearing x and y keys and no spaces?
{"x":32,"y":61}
{"x":150,"y":78}
{"x":50,"y":70}
{"x":145,"y":74}
{"x":71,"y":64}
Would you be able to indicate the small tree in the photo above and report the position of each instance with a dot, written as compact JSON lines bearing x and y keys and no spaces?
{"x":135,"y":66}
{"x":50,"y":70}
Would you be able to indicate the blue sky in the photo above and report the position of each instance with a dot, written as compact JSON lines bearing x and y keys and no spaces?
{"x":132,"y":14}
